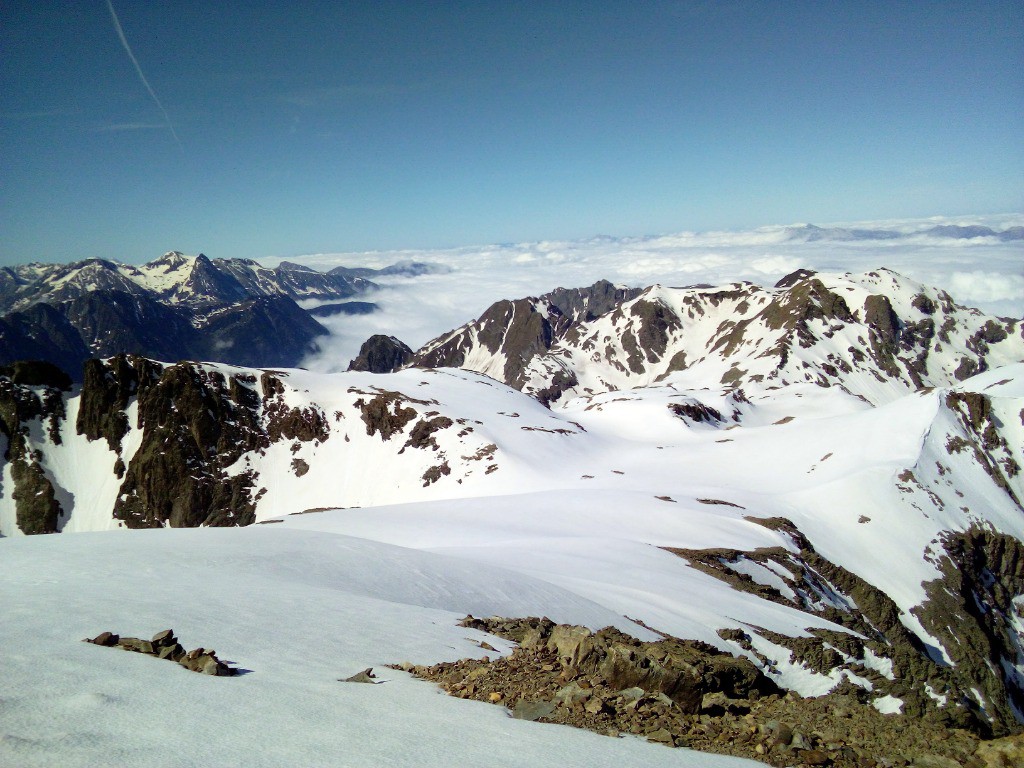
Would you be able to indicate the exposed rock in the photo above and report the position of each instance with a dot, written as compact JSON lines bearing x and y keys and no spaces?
{"x":165,"y":645}
{"x":384,"y":414}
{"x":555,"y":676}
{"x":1007,"y":752}
{"x":193,"y":430}
{"x":36,"y":507}
{"x":381,"y":354}
{"x":366,"y":676}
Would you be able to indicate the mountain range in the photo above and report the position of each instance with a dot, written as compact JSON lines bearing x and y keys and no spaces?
{"x":822,"y":477}
{"x":177,"y":307}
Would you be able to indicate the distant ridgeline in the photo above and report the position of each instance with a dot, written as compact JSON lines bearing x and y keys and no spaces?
{"x":175,"y":308}
{"x":876,"y":335}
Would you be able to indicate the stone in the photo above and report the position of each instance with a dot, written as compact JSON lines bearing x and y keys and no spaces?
{"x":137,"y":645}
{"x":172,"y":652}
{"x":1002,"y":753}
{"x":366,"y":676}
{"x":573,"y":694}
{"x":165,"y":638}
{"x":106,"y":639}
{"x":935,"y":761}
{"x":784,"y":735}
{"x":571,"y":643}
{"x":660,"y":736}
{"x":495,"y":697}
{"x":532,"y":710}
{"x":595,"y":705}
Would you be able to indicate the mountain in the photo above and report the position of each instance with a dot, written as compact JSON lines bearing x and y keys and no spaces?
{"x":175,"y":307}
{"x":401,"y":268}
{"x":802,"y":488}
{"x":876,"y":335}
{"x":810,"y":233}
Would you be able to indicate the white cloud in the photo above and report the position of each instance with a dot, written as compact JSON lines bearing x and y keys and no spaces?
{"x":775,"y":265}
{"x":980,"y":272}
{"x":982,"y":287}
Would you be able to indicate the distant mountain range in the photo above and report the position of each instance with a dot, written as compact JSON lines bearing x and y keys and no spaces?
{"x":812,"y":233}
{"x":175,"y":307}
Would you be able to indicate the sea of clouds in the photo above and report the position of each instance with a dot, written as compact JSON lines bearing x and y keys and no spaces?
{"x":983,"y":272}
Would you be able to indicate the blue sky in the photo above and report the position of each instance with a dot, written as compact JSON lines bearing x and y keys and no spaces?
{"x":328,"y":126}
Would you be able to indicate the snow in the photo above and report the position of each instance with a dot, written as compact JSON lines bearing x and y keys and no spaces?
{"x":888,"y":705}
{"x":569,"y":514}
{"x":297,"y":610}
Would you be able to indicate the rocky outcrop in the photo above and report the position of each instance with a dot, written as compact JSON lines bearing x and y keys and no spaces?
{"x":30,"y":391}
{"x":970,"y":610}
{"x":688,"y":694}
{"x":195,"y":424}
{"x":974,"y":611}
{"x":164,"y":645}
{"x":381,"y":354}
{"x":519,"y":331}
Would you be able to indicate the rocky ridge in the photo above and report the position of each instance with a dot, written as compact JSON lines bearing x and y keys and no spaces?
{"x":876,"y":335}
{"x":687,"y":694}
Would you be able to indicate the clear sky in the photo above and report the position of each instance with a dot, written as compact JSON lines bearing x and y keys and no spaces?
{"x":280,"y":128}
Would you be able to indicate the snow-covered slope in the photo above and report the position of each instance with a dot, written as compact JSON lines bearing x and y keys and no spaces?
{"x":296,"y":611}
{"x":866,"y":536}
{"x":877,"y":335}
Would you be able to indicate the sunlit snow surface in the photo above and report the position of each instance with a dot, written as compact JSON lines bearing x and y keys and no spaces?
{"x":297,"y":610}
{"x":572,"y":525}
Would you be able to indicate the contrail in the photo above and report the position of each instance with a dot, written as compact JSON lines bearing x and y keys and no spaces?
{"x":138,"y":69}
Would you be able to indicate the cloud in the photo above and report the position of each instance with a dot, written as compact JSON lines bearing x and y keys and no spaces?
{"x":983,"y":274}
{"x":775,"y":265}
{"x":984,"y":287}
{"x":138,"y":70}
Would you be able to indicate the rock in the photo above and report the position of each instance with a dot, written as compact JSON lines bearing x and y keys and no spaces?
{"x":165,"y":646}
{"x":571,"y":643}
{"x":632,"y":695}
{"x":366,"y":676}
{"x":573,"y":694}
{"x":172,"y":652}
{"x":934,"y":761}
{"x":382,"y":354}
{"x":1002,"y":753}
{"x":136,"y":645}
{"x":211,"y":665}
{"x":595,"y":705}
{"x":495,"y":697}
{"x":165,"y":638}
{"x":784,"y":735}
{"x":660,"y":736}
{"x":532,"y":710}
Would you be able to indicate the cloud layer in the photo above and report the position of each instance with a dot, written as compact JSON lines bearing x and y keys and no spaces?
{"x":979,"y":271}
